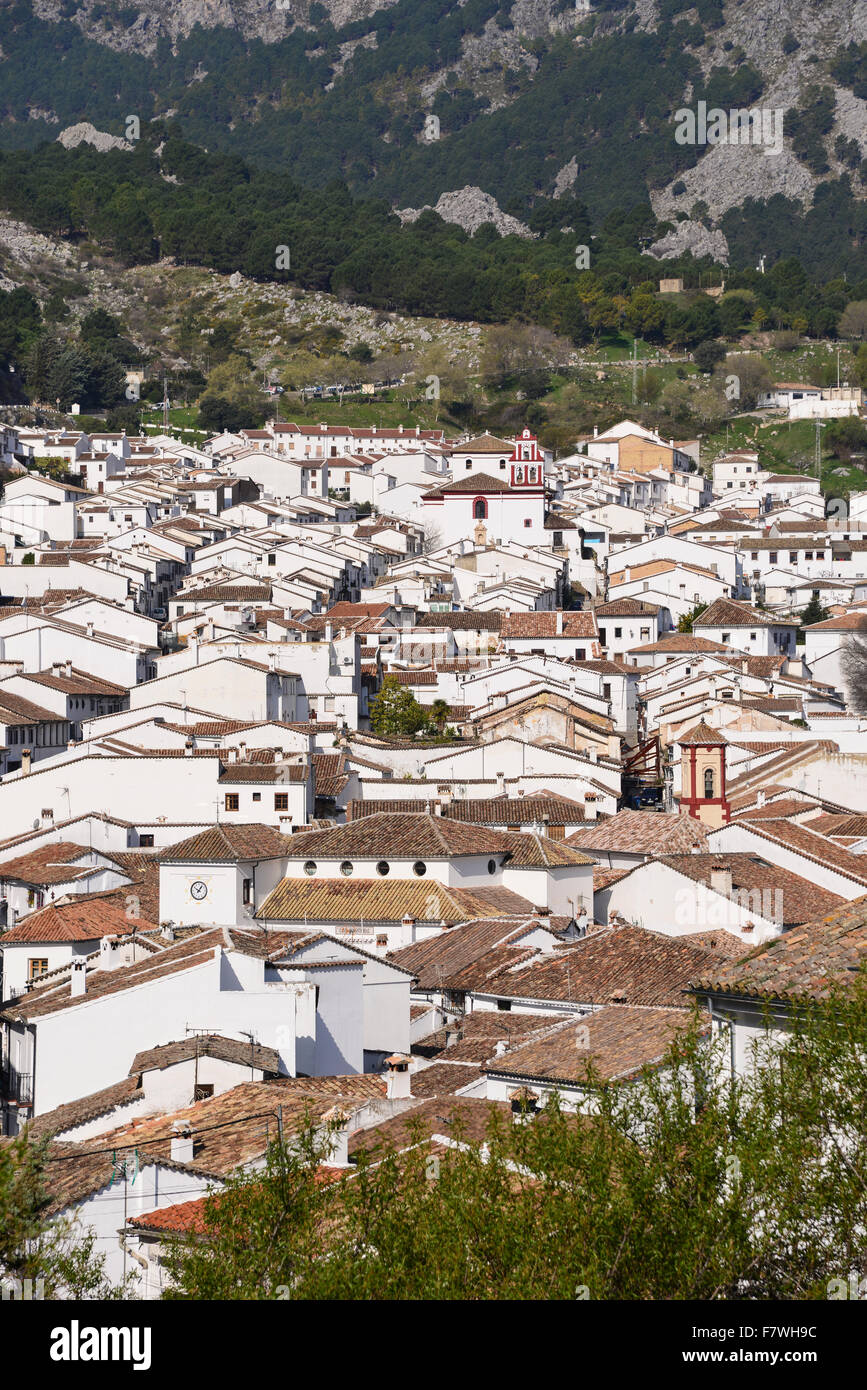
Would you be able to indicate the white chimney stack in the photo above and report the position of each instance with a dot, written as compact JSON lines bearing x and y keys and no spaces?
{"x":182,"y":1142}
{"x":721,"y":880}
{"x":78,"y":979}
{"x":398,"y":1080}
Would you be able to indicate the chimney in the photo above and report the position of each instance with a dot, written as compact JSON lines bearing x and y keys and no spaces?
{"x":337,"y":1121}
{"x":25,"y":761}
{"x":721,"y":880}
{"x":501,"y":1048}
{"x":453,"y":1036}
{"x":501,"y":784}
{"x":167,"y":931}
{"x":595,"y":431}
{"x":559,"y":622}
{"x":182,"y":1142}
{"x":329,"y":632}
{"x":525,"y":1104}
{"x":188,"y":748}
{"x":407,"y":923}
{"x":760,"y":798}
{"x":90,"y":629}
{"x":68,"y":669}
{"x":109,"y":953}
{"x":397,"y":1083}
{"x":78,"y":979}
{"x":590,"y":811}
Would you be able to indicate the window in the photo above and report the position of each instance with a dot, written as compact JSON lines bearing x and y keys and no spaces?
{"x":808,"y":555}
{"x":281,"y":801}
{"x":772,"y":556}
{"x":528,"y":521}
{"x":492,"y":866}
{"x":606,"y":690}
{"x":502,"y":465}
{"x":793,"y":557}
{"x":419,"y":868}
{"x":203,"y":1090}
{"x":708,"y":782}
{"x":504,"y":1006}
{"x":246,"y":891}
{"x":618,"y":632}
{"x":180,"y":609}
{"x":347,"y":868}
{"x":145,"y":841}
{"x":580,"y":653}
{"x":752,"y":637}
{"x":469,"y":463}
{"x":37,"y":967}
{"x":725,"y":636}
{"x":231,"y":801}
{"x":558,"y":539}
{"x":257,"y":796}
{"x":382,"y":868}
{"x":480,"y":509}
{"x":645,"y":634}
{"x":272,"y":559}
{"x":310,"y":868}
{"x":602,"y":636}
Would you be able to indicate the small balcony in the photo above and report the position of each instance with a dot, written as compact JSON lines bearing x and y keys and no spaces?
{"x":16,"y":1088}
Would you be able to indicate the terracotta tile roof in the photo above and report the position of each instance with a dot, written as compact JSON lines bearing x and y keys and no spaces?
{"x":517,"y":810}
{"x":453,"y":1116}
{"x":580,"y":624}
{"x":798,"y":898}
{"x":55,"y":997}
{"x":186,"y":1217}
{"x":471,"y":622}
{"x":615,"y":965}
{"x":728,"y":612}
{"x":14,"y":709}
{"x":480,"y":1032}
{"x":808,"y":962}
{"x":813,"y":847}
{"x":616,"y":1042}
{"x":228,"y":1130}
{"x":81,"y":1111}
{"x":442,"y":1079}
{"x":844,"y":825}
{"x":484,"y":444}
{"x":437,"y":959}
{"x":626,"y":608}
{"x":477,"y":484}
{"x":678,"y":642}
{"x":786,"y":807}
{"x":701,"y":735}
{"x":83,"y":919}
{"x":641,"y":832}
{"x":226,"y":843}
{"x":261,"y":766}
{"x":329,"y":773}
{"x":382,"y":900}
{"x":720,"y":942}
{"x":50,"y":863}
{"x":414,"y":835}
{"x":79,"y":683}
{"x":207,"y":1045}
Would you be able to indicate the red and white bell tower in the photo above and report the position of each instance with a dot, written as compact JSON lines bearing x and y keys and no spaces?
{"x":527,"y":462}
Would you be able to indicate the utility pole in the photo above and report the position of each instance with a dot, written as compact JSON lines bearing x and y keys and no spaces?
{"x":634,"y":370}
{"x":165,"y":406}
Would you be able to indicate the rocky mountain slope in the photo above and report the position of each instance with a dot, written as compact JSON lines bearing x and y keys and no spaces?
{"x":473,"y":106}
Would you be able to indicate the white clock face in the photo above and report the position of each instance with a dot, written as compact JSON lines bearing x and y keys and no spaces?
{"x":198,"y":890}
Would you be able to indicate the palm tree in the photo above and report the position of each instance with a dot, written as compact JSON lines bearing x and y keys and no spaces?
{"x":439,"y":713}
